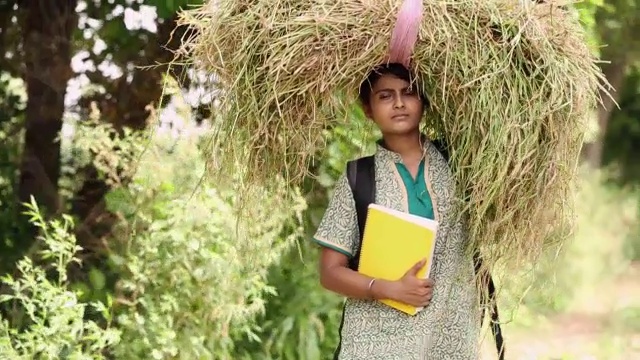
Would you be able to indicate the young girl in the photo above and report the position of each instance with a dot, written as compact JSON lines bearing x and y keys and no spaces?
{"x":411,"y":176}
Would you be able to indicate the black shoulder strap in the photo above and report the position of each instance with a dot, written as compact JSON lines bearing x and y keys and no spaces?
{"x":361,"y":176}
{"x":362,"y":180}
{"x":489,"y":298}
{"x":442,"y":148}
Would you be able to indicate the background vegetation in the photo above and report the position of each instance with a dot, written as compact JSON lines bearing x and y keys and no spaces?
{"x":114,"y":245}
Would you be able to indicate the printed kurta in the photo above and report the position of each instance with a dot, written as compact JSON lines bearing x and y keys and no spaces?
{"x":449,"y":327}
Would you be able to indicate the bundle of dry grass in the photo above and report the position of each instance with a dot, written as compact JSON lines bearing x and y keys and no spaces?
{"x":510,"y":85}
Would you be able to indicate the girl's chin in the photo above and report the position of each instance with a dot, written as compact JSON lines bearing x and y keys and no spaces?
{"x":401,"y":130}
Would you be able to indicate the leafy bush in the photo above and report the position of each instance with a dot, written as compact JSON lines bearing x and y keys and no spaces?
{"x":192,"y":274}
{"x":114,"y":154}
{"x":302,"y":319}
{"x":48,"y":321}
{"x":12,"y":225}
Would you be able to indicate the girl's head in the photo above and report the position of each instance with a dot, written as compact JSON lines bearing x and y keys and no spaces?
{"x":389,"y":98}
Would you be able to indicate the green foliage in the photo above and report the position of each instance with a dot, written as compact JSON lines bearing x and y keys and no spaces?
{"x":302,"y":319}
{"x":114,"y":154}
{"x":177,"y":231}
{"x":346,"y":141}
{"x":48,"y":321}
{"x":587,"y":11}
{"x":618,"y":23}
{"x":192,"y":275}
{"x":623,"y":134}
{"x":12,"y":225}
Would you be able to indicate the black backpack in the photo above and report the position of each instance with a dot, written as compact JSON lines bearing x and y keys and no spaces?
{"x":361,"y":172}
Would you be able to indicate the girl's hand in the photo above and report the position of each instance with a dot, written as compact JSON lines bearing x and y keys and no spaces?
{"x":410,"y":289}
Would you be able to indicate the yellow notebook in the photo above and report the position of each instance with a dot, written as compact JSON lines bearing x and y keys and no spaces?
{"x":393,"y":242}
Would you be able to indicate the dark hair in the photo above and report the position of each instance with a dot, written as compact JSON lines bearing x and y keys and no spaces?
{"x":393,"y":69}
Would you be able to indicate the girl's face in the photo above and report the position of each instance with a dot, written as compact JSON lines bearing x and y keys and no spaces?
{"x":394,"y":106}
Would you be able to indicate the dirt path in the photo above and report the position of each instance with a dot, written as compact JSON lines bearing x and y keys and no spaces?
{"x":608,"y":331}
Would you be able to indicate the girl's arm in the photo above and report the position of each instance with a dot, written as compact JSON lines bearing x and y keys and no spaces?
{"x":336,"y":276}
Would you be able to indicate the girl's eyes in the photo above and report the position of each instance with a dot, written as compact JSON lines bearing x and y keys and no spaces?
{"x":387,"y":95}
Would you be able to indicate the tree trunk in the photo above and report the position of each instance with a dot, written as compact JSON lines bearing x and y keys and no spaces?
{"x":47,"y":42}
{"x":615,"y":75}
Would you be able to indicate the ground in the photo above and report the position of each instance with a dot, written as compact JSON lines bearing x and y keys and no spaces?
{"x":604,"y":325}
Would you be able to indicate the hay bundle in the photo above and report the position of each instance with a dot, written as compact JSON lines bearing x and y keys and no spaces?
{"x":510,"y":87}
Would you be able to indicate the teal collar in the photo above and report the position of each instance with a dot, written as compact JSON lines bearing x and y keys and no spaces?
{"x":394,"y":157}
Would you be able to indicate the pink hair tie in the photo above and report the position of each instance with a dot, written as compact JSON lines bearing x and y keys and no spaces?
{"x":405,"y":32}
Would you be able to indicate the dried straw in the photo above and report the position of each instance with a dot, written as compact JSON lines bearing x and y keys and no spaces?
{"x":511,"y":87}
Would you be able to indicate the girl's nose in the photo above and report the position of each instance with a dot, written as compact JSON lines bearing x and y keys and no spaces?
{"x":399,"y":104}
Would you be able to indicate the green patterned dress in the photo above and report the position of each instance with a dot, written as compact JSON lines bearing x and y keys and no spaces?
{"x":448,"y":328}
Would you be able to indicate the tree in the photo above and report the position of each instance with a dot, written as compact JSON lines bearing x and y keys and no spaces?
{"x":48,"y":27}
{"x":615,"y":24}
{"x":38,"y":40}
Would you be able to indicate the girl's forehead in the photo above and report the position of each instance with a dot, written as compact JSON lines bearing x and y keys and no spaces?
{"x":390,"y":81}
